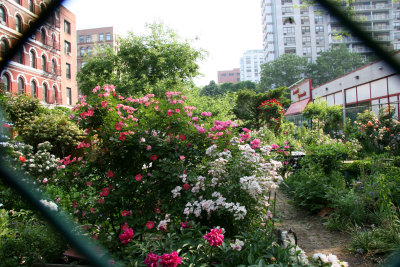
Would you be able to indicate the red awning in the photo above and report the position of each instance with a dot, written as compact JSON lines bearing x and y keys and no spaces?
{"x":298,"y":107}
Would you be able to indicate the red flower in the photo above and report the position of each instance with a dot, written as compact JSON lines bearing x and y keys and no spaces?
{"x":182,"y":137}
{"x":126,"y":236}
{"x":185,"y":225}
{"x":105,"y":192}
{"x":138,"y":177}
{"x":215,"y":237}
{"x":153,"y":157}
{"x":152,"y":260}
{"x":186,"y":186}
{"x":110,"y":174}
{"x":171,"y":260}
{"x":22,"y":158}
{"x":150,"y":225}
{"x":125,"y":213}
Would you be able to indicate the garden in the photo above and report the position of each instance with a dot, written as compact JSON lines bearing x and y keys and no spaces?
{"x":174,"y":177}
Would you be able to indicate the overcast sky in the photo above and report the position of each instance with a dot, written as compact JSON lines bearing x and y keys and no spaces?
{"x":225,"y":28}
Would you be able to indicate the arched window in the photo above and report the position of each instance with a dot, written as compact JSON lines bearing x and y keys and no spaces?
{"x":43,"y":62}
{"x":42,"y":8}
{"x":82,"y":51}
{"x":18,"y":2}
{"x":20,"y":86}
{"x":3,"y":48}
{"x":31,"y":6}
{"x":53,"y":41}
{"x":32,"y":57}
{"x":6,"y":81}
{"x":20,"y":57}
{"x":18,"y":24}
{"x":33,"y":89}
{"x":3,"y":15}
{"x":53,"y":66}
{"x":45,"y":93}
{"x":53,"y":94}
{"x":43,"y":36}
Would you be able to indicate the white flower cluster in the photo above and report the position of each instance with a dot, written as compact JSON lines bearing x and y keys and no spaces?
{"x":199,"y":185}
{"x":49,"y":204}
{"x":211,"y":150}
{"x":251,"y":185}
{"x":163,"y":223}
{"x":237,"y":245}
{"x":332,"y":259}
{"x":176,"y":192}
{"x":209,"y":206}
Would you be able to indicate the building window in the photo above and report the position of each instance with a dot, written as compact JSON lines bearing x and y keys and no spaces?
{"x":88,"y":39}
{"x":6,"y":81}
{"x":67,"y":47}
{"x":320,"y":39}
{"x":108,"y":36}
{"x":397,"y":35}
{"x":286,"y":10}
{"x":306,"y":51}
{"x":290,"y":50}
{"x":319,"y":29}
{"x":396,"y":25}
{"x":67,"y":27}
{"x":81,"y":38}
{"x":42,"y":8}
{"x":18,"y":24}
{"x":32,"y":57}
{"x":43,"y":36}
{"x":288,"y":30}
{"x":3,"y":16}
{"x":53,"y":95}
{"x":43,"y":62}
{"x":33,"y":89}
{"x":31,"y":6}
{"x":68,"y":70}
{"x":69,"y":101}
{"x":18,"y":2}
{"x":320,"y":49}
{"x":53,"y":41}
{"x":89,"y":50}
{"x":289,"y":40}
{"x":45,"y":93}
{"x":305,"y":20}
{"x":306,"y":40}
{"x":20,"y":86}
{"x":318,"y":19}
{"x":3,"y":48}
{"x":53,"y":66}
{"x":101,"y":37}
{"x":19,"y":57}
{"x":82,"y":51}
{"x":305,"y":29}
{"x":223,"y":74}
{"x":286,"y":2}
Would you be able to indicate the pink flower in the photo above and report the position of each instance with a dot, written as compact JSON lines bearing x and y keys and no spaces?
{"x":256,"y":143}
{"x":152,"y":260}
{"x":101,"y":201}
{"x":185,"y":225}
{"x":170,"y":112}
{"x":157,"y":210}
{"x":177,"y":110}
{"x":150,"y":225}
{"x":215,"y":237}
{"x":105,"y":192}
{"x":148,"y":147}
{"x":274,"y":146}
{"x":118,"y":127}
{"x":110,"y":174}
{"x":170,"y":260}
{"x":286,"y":162}
{"x":126,"y":236}
{"x":182,"y":157}
{"x":138,"y":177}
{"x":153,"y":157}
{"x":195,"y":118}
{"x":186,"y":186}
{"x":246,"y":130}
{"x":286,"y":147}
{"x":125,"y":213}
{"x":103,"y":104}
{"x":44,"y":180}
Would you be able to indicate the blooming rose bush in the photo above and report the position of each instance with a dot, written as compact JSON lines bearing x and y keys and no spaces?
{"x":272,"y":113}
{"x":148,"y":163}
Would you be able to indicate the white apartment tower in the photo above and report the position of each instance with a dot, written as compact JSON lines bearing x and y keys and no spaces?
{"x":250,"y":65}
{"x":289,"y":26}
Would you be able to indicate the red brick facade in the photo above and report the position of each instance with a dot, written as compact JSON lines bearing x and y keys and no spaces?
{"x":229,"y":76}
{"x":38,"y":67}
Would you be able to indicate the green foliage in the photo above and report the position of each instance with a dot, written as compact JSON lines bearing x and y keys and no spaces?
{"x":143,"y":64}
{"x":336,"y":61}
{"x":332,"y":116}
{"x":27,"y":240}
{"x":283,"y":71}
{"x":212,"y":89}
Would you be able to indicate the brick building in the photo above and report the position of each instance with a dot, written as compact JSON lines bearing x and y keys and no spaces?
{"x":46,"y":66}
{"x":88,"y":39}
{"x":229,"y":76}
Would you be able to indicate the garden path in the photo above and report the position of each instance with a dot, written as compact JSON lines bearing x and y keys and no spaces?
{"x":313,"y":237}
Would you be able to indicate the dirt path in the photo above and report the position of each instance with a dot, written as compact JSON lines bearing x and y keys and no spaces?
{"x":313,"y":237}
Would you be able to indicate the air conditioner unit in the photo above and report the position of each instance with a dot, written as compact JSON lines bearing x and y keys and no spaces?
{"x":284,"y":33}
{"x":317,"y":42}
{"x":285,"y":43}
{"x":304,"y":54}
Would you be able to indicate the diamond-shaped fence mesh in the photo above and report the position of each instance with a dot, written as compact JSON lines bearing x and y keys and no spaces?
{"x":62,"y":222}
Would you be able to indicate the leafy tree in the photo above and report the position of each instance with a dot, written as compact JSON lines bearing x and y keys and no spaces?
{"x":332,"y":116}
{"x":234,"y":87}
{"x":143,"y":63}
{"x":333,"y":63}
{"x":212,"y":89}
{"x":283,"y":71}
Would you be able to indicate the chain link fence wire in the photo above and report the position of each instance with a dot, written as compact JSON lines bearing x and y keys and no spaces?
{"x":62,"y":222}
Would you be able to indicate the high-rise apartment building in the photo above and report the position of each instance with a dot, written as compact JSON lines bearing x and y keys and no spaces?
{"x":39,"y":69}
{"x":250,"y":65}
{"x":88,"y":39}
{"x":289,"y":26}
{"x":229,"y":76}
